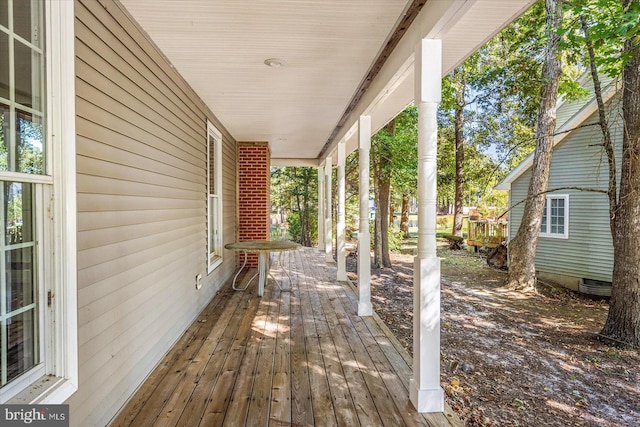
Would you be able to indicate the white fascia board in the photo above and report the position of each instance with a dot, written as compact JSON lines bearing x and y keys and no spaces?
{"x":561,"y":133}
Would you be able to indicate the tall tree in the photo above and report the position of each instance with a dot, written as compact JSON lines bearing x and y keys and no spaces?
{"x":460,"y":89}
{"x":522,"y":248}
{"x":623,"y":320}
{"x":404,"y":172}
{"x":381,"y":164}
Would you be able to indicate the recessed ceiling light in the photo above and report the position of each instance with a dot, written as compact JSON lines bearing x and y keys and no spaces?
{"x":275,"y":62}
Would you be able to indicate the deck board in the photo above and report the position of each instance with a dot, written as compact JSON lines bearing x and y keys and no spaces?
{"x":299,"y":356}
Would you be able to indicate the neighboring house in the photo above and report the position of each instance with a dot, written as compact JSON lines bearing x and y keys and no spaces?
{"x":575,"y":247}
{"x":120,"y":186}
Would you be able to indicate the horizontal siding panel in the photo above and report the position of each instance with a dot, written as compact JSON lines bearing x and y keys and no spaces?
{"x":92,"y":168}
{"x":142,"y":208}
{"x":134,"y":118}
{"x":117,"y":318}
{"x":136,"y":100}
{"x":98,"y":139}
{"x":105,"y":29}
{"x":97,"y":289}
{"x":119,"y":251}
{"x":129,"y":356}
{"x":104,"y":220}
{"x":107,"y":236}
{"x":108,"y":202}
{"x":104,"y":118}
{"x":100,"y":58}
{"x":98,"y":151}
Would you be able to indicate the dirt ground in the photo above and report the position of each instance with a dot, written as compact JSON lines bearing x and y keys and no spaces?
{"x":510,"y":359}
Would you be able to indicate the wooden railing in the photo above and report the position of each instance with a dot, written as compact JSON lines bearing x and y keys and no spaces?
{"x":486,"y":233}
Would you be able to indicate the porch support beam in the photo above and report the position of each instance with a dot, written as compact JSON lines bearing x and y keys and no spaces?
{"x":364,"y":238}
{"x":425,"y":391}
{"x":341,"y":224}
{"x":328,"y":229}
{"x":321,"y":207}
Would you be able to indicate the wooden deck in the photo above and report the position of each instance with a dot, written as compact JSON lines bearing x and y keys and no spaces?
{"x":301,"y":358}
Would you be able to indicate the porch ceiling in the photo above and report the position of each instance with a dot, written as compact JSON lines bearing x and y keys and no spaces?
{"x":219,"y":47}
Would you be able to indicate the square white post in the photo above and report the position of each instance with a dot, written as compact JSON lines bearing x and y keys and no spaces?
{"x":341,"y":224}
{"x":328,"y":228}
{"x":364,"y":238}
{"x":321,"y":207}
{"x":425,"y":391}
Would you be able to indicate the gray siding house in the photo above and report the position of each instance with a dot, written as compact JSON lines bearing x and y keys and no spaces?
{"x":575,"y":246}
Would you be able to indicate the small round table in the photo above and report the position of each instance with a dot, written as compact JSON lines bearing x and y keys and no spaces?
{"x":263,"y":248}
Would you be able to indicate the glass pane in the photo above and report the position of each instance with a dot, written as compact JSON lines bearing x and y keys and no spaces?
{"x":28,"y":73}
{"x":5,"y":128}
{"x":30,"y":144}
{"x":4,"y":13}
{"x":4,"y":65}
{"x":543,"y":228}
{"x":18,"y":213}
{"x":212,"y":165}
{"x":21,"y":347}
{"x":213,"y":205}
{"x":26,"y":19}
{"x":20,"y":278}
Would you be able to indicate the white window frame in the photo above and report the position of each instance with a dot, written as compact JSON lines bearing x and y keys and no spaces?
{"x":58,"y":249}
{"x":546,"y":232}
{"x":215,"y":253}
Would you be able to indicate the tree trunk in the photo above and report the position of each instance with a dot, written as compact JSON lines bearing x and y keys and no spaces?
{"x":623,"y":321}
{"x":459,"y":135}
{"x":404,"y":217}
{"x":607,"y":143}
{"x":522,"y":249}
{"x":382,"y":186}
{"x":392,"y":210}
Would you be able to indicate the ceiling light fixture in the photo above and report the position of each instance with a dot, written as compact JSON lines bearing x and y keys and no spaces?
{"x":274,"y":62}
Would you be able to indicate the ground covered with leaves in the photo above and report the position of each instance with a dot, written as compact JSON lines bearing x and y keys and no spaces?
{"x":513,"y":359}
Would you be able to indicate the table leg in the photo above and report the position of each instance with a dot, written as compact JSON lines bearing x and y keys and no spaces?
{"x":233,"y":285}
{"x":263,"y":269}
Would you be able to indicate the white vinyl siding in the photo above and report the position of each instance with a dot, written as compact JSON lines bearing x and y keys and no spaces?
{"x":142,"y":207}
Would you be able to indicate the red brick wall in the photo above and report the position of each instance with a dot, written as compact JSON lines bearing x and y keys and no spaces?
{"x":254,"y":205}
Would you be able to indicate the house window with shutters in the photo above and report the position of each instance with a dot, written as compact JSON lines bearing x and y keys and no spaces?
{"x":214,"y":190}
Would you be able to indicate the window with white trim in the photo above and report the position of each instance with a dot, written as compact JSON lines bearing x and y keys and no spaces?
{"x":555,"y":217}
{"x":214,"y":190}
{"x":38,"y":309}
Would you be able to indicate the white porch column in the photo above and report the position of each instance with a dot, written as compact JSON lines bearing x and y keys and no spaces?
{"x":321,"y":207}
{"x":364,"y":238}
{"x":328,"y":229}
{"x":341,"y":227}
{"x":425,"y":391}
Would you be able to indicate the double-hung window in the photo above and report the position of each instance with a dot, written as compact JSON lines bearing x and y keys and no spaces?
{"x":38,"y":332}
{"x":214,"y":190}
{"x":555,"y":218}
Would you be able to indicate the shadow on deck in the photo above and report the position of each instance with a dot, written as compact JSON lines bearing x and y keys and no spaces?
{"x":301,"y":358}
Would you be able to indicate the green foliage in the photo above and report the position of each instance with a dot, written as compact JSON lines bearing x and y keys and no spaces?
{"x":295,"y":191}
{"x":395,"y":239}
{"x":295,"y":230}
{"x":609,"y":25}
